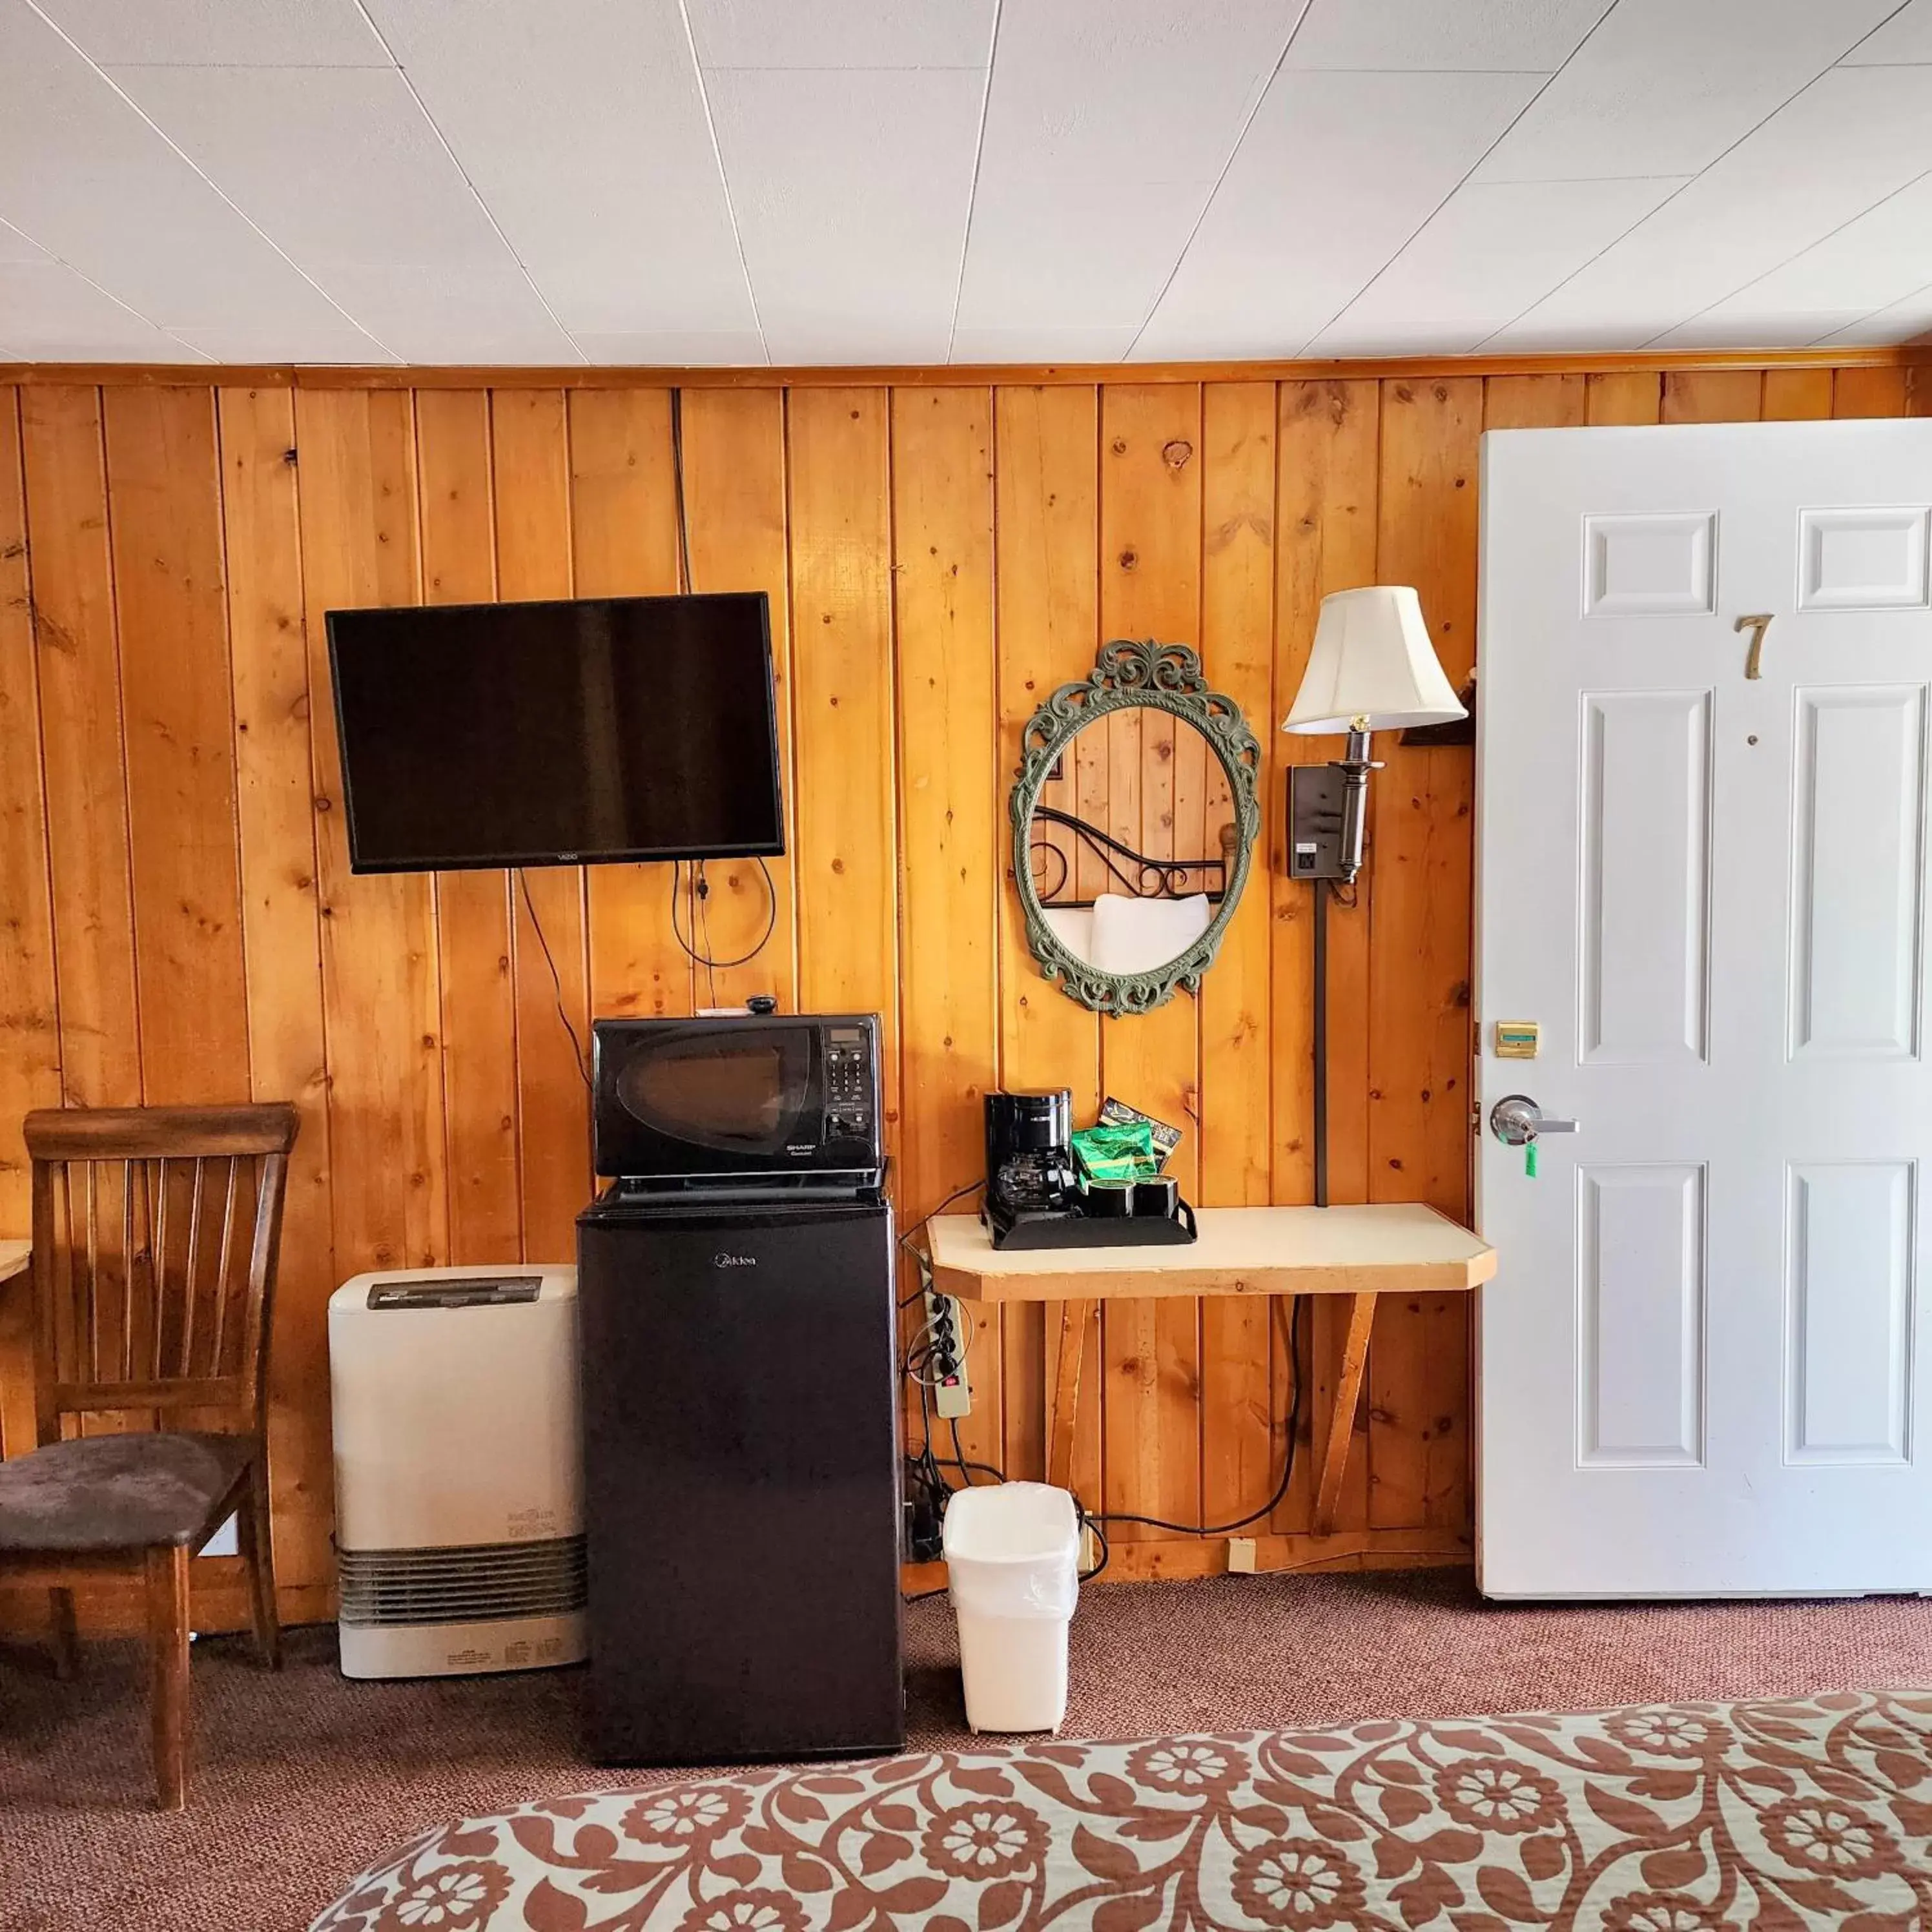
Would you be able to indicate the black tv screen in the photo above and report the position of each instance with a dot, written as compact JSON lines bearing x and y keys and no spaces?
{"x":531,"y":734}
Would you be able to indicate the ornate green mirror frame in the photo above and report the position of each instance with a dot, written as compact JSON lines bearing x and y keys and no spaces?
{"x":1127,"y":676}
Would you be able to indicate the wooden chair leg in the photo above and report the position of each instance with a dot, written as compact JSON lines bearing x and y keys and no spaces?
{"x":66,"y":1648}
{"x":254,"y":1535}
{"x":167,"y":1671}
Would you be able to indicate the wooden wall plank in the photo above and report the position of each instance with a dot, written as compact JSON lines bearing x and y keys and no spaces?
{"x":472,"y":908}
{"x":164,"y":508}
{"x":1239,"y":1447}
{"x":1711,"y":395}
{"x":734,"y":469}
{"x":1046,"y":536}
{"x":1626,"y":396}
{"x":1419,"y":1080}
{"x":281,"y":935}
{"x":1535,"y":402}
{"x":846,"y":871}
{"x":623,"y":515}
{"x":388,"y":1196}
{"x":951,"y":813}
{"x":29,"y":990}
{"x":1869,"y":392}
{"x":1797,"y":395}
{"x":83,"y":757}
{"x":1329,"y":433}
{"x":29,"y":998}
{"x":1150,"y":587}
{"x":530,"y":466}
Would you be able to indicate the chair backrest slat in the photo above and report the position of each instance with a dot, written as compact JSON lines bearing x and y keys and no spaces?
{"x":221,"y":1297}
{"x":103,"y":1268}
{"x":94,"y":1268}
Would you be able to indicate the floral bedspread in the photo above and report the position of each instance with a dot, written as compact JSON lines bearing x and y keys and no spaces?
{"x":1674,"y":1819}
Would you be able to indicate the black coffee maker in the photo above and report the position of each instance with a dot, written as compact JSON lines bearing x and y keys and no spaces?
{"x":1029,"y":1160}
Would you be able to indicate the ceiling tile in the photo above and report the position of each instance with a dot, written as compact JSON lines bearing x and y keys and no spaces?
{"x":208,"y":33}
{"x":1493,"y":36}
{"x":1122,"y":94}
{"x":840,"y":249}
{"x":1081,"y":213}
{"x":1882,"y":256}
{"x":1855,"y":136}
{"x":624,"y":226}
{"x":86,"y":176}
{"x":863,"y":343}
{"x":1909,"y":320}
{"x":1040,"y":345}
{"x":1906,"y":37}
{"x":843,"y":33}
{"x":336,"y":164}
{"x":446,"y":313}
{"x":51,"y":313}
{"x":247,"y":346}
{"x":1749,"y":327}
{"x":1337,"y":172}
{"x":1074,"y":254}
{"x":669,"y":348}
{"x":1486,"y":256}
{"x":1663,"y":88}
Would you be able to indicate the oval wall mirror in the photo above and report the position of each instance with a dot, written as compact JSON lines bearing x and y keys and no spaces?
{"x":1134,"y":820}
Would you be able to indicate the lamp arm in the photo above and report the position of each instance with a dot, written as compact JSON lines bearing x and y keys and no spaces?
{"x":1354,"y":768}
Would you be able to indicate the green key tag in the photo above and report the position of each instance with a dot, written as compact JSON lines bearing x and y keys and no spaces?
{"x":1529,"y":1159}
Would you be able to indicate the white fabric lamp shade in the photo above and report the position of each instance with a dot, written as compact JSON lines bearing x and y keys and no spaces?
{"x":1373,"y":667}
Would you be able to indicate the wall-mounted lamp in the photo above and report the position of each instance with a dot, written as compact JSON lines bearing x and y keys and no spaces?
{"x":1372,"y":668}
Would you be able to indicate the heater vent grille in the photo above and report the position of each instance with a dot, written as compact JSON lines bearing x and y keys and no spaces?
{"x":483,"y":1582}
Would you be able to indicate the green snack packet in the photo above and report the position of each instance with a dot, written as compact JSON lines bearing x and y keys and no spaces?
{"x":1117,"y":1152}
{"x":1117,"y":1113}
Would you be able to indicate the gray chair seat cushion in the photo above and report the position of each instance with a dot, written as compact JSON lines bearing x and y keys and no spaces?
{"x":109,"y":1492}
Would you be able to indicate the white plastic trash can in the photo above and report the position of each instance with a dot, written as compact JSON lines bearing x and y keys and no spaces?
{"x":1012,"y":1563}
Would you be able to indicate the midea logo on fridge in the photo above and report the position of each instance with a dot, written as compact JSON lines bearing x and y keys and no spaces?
{"x":723,"y":1261}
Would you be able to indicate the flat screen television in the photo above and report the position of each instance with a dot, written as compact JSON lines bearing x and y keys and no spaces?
{"x":580,"y":732}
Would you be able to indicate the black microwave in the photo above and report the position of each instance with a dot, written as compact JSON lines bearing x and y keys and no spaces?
{"x":738,"y":1097}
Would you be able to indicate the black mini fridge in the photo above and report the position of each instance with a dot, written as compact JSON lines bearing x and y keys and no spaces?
{"x":742,"y":1462}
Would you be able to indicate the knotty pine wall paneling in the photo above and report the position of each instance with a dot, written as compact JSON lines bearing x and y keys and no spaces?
{"x":281,"y":935}
{"x":181,"y":924}
{"x":951,"y":815}
{"x":1046,"y":535}
{"x":30,"y":1045}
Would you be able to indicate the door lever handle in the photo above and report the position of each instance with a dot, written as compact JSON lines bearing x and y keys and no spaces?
{"x":1515,"y":1120}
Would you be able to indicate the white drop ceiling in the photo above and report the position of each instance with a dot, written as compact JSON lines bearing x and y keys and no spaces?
{"x":752,"y":181}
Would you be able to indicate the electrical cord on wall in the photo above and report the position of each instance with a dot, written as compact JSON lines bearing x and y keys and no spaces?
{"x":1267,"y":1508}
{"x":928,"y":1469}
{"x":557,"y":981}
{"x":700,"y":889}
{"x":697,"y":947}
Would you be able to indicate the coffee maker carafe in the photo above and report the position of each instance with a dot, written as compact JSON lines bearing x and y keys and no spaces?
{"x":1029,"y":1157}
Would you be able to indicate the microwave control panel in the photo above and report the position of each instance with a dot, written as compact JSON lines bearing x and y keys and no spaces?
{"x":848,"y":1084}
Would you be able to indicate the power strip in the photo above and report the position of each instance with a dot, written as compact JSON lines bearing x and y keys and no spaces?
{"x":946,"y":1331}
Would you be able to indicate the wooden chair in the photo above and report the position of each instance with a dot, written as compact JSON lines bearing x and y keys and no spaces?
{"x":155,"y":1235}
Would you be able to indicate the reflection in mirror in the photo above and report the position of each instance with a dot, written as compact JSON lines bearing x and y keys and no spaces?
{"x":1134,"y":818}
{"x":1132,"y":840}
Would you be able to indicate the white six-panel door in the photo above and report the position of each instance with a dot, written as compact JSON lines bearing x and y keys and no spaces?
{"x":1702,"y":1366}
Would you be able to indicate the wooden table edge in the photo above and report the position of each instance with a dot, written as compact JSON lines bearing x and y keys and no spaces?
{"x":1157,"y":1282}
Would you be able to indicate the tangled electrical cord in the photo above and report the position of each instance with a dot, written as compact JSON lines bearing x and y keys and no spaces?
{"x":926,"y":1471}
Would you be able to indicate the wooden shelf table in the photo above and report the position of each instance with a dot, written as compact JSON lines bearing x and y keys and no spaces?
{"x":1362,"y":1253}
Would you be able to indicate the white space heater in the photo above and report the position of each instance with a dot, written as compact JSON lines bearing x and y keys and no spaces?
{"x":459,"y":1479}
